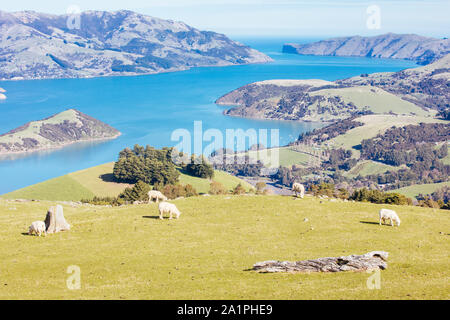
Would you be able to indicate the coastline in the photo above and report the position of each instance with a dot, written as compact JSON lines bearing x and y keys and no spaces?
{"x":270,"y":119}
{"x":139,"y":74}
{"x":4,"y":154}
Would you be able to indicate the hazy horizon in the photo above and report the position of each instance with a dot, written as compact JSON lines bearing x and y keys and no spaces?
{"x":276,"y":19}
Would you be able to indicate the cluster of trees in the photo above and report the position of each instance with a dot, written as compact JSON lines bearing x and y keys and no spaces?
{"x":407,"y":145}
{"x":362,"y":194}
{"x":216,"y":188}
{"x":340,"y":159}
{"x":377,"y":196}
{"x":420,"y":173}
{"x":444,"y":114}
{"x":329,"y":190}
{"x":199,"y":167}
{"x":440,"y":199}
{"x":326,"y":133}
{"x":139,"y":192}
{"x":148,"y":164}
{"x":237,"y":165}
{"x":179,"y":190}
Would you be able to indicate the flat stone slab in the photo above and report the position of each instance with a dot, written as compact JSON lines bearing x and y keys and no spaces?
{"x":369,"y":261}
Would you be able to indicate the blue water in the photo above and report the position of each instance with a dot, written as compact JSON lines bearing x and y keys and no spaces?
{"x":146,"y":109}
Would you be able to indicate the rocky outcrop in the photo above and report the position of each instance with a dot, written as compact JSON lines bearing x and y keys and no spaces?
{"x":36,"y":45}
{"x":422,"y":50}
{"x":64,"y":128}
{"x":369,"y":261}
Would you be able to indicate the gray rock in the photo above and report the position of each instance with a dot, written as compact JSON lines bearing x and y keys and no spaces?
{"x":369,"y":261}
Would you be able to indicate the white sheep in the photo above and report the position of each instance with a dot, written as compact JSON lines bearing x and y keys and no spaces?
{"x":38,"y":228}
{"x":156,"y":195}
{"x":298,"y":188}
{"x":166,"y":207}
{"x":386,"y":214}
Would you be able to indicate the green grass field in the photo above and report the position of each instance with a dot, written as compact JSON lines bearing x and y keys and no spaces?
{"x":287,"y":157}
{"x":126,"y":253}
{"x":415,"y":190}
{"x":367,"y":167}
{"x":98,"y":181}
{"x":379,"y":100}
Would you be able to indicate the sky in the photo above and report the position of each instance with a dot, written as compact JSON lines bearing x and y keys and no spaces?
{"x":276,"y":18}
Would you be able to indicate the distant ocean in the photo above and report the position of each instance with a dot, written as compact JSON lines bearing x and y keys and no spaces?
{"x":146,"y":109}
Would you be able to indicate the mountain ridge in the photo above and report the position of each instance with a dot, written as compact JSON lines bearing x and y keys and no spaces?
{"x":42,"y":46}
{"x":422,"y":50}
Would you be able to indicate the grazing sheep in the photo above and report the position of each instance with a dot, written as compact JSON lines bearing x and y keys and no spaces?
{"x":38,"y":228}
{"x":386,"y":214}
{"x":154,"y":195}
{"x":298,"y":188}
{"x":166,"y":207}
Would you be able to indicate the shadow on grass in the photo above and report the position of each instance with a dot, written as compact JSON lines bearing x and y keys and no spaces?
{"x":369,"y":222}
{"x":150,"y":217}
{"x":31,"y":235}
{"x":108,"y":177}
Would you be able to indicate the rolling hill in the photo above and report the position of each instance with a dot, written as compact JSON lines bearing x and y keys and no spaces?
{"x":419,"y":91}
{"x":99,"y":181}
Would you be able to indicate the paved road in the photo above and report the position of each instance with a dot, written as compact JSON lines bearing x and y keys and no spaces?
{"x":271,"y":185}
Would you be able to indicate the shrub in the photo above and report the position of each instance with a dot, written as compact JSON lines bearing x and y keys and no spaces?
{"x":216,"y":188}
{"x":260,"y":186}
{"x":322,"y":189}
{"x":238,"y":190}
{"x":139,"y":192}
{"x":430,"y":203}
{"x":178,"y":190}
{"x":103,"y":201}
{"x":199,"y":167}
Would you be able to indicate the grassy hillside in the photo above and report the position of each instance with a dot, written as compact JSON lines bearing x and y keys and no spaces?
{"x":373,"y":125}
{"x":380,"y":101}
{"x":287,"y":156}
{"x":98,"y":181}
{"x":60,"y":188}
{"x":202,"y":185}
{"x":126,"y":253}
{"x":367,"y":167}
{"x":415,"y":190}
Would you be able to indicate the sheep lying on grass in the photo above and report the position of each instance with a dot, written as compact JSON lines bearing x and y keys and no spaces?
{"x":154,"y":195}
{"x":37,"y":228}
{"x":298,"y":189}
{"x":386,"y":214}
{"x":166,"y":207}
